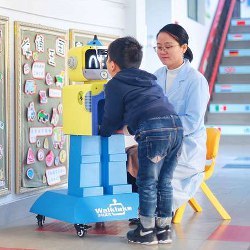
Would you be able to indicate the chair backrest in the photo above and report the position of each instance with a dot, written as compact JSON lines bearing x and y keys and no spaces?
{"x":213,"y":140}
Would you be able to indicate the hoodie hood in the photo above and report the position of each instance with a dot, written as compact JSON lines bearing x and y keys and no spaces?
{"x":136,"y":77}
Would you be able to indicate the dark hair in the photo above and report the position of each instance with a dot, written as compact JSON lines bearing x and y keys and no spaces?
{"x":180,"y":35}
{"x":126,"y":52}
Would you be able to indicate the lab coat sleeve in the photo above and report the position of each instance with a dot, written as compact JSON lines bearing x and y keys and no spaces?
{"x":196,"y":101}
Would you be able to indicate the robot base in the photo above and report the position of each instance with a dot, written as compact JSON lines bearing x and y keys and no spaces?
{"x":59,"y":205}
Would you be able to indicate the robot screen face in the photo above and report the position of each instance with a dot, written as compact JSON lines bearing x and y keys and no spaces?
{"x":96,"y":59}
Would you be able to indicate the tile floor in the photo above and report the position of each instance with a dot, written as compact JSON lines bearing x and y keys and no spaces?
{"x":205,"y":230}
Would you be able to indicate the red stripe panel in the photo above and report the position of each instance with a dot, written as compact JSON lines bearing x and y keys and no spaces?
{"x":241,"y":23}
{"x":231,"y":233}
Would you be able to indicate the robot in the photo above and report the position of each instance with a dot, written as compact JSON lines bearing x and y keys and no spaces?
{"x":97,"y":177}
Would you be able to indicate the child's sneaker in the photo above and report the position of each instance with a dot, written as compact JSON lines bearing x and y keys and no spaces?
{"x":142,"y":235}
{"x":164,"y":235}
{"x":134,"y":221}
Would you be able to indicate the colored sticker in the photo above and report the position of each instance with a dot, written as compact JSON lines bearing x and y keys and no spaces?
{"x":38,"y":70}
{"x":25,"y":46}
{"x":42,"y":116}
{"x":57,"y":160}
{"x":233,"y":52}
{"x":31,"y":113}
{"x":46,"y":143}
{"x":55,"y":93}
{"x":51,"y":60}
{"x":38,"y":143}
{"x":55,"y":117}
{"x":229,"y":70}
{"x":30,"y":157}
{"x":58,"y":137}
{"x":43,"y":97}
{"x":54,"y":175}
{"x":26,"y":69}
{"x":60,"y":108}
{"x":62,"y":156}
{"x":30,"y":87}
{"x":40,"y":155}
{"x":30,"y":173}
{"x":241,"y":23}
{"x":60,"y":47}
{"x":60,"y":79}
{"x":39,"y":42}
{"x":35,"y":56}
{"x":49,"y":158}
{"x":49,"y":79}
{"x":34,"y":132}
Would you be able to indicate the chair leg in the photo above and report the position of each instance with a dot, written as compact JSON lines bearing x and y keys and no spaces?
{"x":195,"y":205}
{"x":215,"y":201}
{"x":179,"y":214}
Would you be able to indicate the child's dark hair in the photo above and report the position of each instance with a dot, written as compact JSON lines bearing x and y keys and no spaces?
{"x":126,"y":52}
{"x":180,"y":35}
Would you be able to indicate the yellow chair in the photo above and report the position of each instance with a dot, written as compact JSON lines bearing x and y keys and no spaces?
{"x":213,"y":139}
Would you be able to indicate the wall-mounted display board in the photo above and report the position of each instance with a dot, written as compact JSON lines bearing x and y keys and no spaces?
{"x":4,"y":107}
{"x":40,"y":74}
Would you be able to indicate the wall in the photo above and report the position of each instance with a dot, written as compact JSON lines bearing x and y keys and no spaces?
{"x":245,"y":9}
{"x":160,"y":13}
{"x":197,"y":32}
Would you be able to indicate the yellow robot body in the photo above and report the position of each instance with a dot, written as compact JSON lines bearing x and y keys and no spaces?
{"x":83,"y":103}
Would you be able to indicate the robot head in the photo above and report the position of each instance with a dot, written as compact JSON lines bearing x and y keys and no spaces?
{"x":88,"y":62}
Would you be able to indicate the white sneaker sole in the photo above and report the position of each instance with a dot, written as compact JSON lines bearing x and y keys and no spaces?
{"x":144,"y":243}
{"x":165,"y":241}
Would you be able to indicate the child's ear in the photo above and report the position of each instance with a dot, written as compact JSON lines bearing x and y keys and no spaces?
{"x":114,"y":66}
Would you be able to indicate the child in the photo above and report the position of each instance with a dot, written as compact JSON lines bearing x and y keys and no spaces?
{"x":133,"y":98}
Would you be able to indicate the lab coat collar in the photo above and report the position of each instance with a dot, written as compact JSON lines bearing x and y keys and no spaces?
{"x":180,"y":77}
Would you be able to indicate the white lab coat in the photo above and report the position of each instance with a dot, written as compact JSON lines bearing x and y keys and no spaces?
{"x":189,"y":95}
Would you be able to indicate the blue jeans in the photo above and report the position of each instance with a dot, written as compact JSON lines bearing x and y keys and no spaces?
{"x":159,"y":144}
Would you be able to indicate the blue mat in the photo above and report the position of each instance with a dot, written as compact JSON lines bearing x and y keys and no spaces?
{"x":237,"y":166}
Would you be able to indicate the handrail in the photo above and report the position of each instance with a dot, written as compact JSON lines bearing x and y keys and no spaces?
{"x":221,"y":47}
{"x":211,"y":36}
{"x":210,"y":42}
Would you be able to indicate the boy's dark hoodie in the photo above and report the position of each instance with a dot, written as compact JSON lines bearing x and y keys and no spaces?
{"x":132,"y":96}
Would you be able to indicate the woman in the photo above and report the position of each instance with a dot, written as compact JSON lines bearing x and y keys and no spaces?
{"x":187,"y":90}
